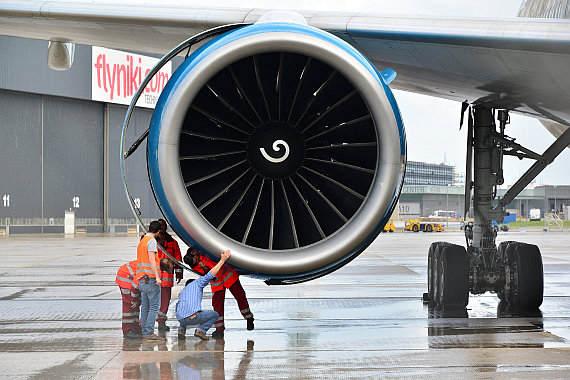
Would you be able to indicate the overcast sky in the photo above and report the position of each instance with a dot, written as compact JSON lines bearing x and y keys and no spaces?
{"x":432,"y":125}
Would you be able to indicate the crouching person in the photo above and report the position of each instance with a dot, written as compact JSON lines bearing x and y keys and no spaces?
{"x":189,"y":307}
{"x":131,"y":300}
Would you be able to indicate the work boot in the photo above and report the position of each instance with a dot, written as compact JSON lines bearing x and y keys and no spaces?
{"x":200,"y":334}
{"x":153,"y":337}
{"x":218,"y":334}
{"x":181,"y":334}
{"x":163,"y":327}
{"x":131,"y":334}
{"x":250,"y":324}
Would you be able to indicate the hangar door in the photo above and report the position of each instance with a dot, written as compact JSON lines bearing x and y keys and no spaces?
{"x":51,"y":160}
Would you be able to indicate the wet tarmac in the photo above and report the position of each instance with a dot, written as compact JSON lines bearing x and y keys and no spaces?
{"x":60,"y":318}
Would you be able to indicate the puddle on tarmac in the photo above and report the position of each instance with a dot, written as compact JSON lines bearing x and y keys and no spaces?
{"x":513,"y":328}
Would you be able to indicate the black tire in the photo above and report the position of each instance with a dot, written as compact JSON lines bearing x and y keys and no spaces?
{"x":429,"y":228}
{"x":452,"y":289}
{"x":415,"y":228}
{"x":527,"y":285}
{"x":391,"y":231}
{"x":501,"y":250}
{"x":432,"y":269}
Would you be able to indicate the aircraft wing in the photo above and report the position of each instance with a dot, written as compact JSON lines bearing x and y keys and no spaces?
{"x":520,"y":64}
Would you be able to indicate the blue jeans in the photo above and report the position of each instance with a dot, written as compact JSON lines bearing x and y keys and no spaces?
{"x":150,"y":304}
{"x":204,"y":319}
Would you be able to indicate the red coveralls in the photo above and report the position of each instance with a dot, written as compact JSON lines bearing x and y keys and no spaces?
{"x":173,"y":249}
{"x":227,"y":278}
{"x":130,"y":293}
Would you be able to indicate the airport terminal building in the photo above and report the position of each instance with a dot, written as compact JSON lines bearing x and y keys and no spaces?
{"x":431,"y":187}
{"x":60,"y":146}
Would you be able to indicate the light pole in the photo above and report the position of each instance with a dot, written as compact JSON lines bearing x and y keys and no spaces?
{"x":555,"y":208}
{"x":447,"y":206}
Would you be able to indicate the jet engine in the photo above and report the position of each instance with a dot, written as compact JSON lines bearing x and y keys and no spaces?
{"x":282,"y":143}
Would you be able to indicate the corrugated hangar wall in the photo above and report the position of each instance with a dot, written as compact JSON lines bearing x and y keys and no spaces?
{"x":59,"y":150}
{"x":52,"y":159}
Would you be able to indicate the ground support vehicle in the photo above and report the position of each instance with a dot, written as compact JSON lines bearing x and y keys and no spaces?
{"x":417,"y":226}
{"x":389,"y":226}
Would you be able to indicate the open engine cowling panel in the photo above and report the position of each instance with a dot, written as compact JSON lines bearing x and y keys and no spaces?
{"x":282,"y":143}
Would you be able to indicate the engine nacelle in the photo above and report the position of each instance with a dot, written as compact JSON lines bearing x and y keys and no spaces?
{"x":282,"y":143}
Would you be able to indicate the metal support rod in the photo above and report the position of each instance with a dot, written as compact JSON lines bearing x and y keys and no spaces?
{"x":549,"y":155}
{"x":513,"y":145}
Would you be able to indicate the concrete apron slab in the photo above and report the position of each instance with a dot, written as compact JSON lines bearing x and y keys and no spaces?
{"x":60,"y":317}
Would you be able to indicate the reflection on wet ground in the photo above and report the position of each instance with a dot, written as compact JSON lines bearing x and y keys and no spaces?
{"x":205,"y":362}
{"x":60,"y":318}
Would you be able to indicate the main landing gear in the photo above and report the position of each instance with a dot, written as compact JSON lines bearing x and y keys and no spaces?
{"x":513,"y":270}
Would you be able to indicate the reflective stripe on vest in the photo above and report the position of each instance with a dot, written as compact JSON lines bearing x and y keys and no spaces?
{"x":131,"y":269}
{"x":226,"y":276}
{"x":220,"y":282}
{"x":144,"y":268}
{"x":167,"y":279}
{"x":124,"y":279}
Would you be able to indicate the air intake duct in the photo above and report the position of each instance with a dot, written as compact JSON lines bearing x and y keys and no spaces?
{"x":282,"y":143}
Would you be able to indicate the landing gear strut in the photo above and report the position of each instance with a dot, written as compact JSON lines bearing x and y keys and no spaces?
{"x":513,"y":270}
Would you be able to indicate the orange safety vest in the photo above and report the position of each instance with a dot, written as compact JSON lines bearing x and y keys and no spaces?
{"x":143,"y":263}
{"x":226,"y":276}
{"x":125,"y":277}
{"x":171,"y":246}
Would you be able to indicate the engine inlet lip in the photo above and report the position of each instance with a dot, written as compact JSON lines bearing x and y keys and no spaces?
{"x":363,"y":226}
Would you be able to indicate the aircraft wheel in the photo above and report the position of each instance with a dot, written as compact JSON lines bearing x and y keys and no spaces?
{"x":501,"y":249}
{"x":452,"y":289}
{"x":526,"y":275}
{"x":432,"y":269}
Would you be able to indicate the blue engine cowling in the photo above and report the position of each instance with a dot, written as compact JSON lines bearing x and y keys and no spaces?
{"x":282,"y":143}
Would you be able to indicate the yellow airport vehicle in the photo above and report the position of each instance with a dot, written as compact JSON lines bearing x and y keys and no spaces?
{"x":389,"y":227}
{"x":417,"y":226}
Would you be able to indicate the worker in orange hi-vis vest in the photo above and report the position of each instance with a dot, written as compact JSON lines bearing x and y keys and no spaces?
{"x":131,"y":300}
{"x":173,"y":249}
{"x":167,"y":277}
{"x":227,"y":278}
{"x":148,"y":277}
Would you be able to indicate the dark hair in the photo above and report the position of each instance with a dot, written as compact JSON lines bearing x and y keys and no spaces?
{"x":189,"y":282}
{"x":165,"y":224}
{"x":165,"y":265}
{"x":154,"y":226}
{"x":161,"y":236}
{"x":188,"y":259}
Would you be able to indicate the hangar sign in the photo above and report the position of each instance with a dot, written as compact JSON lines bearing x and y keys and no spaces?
{"x":117,"y":75}
{"x":409,"y":210}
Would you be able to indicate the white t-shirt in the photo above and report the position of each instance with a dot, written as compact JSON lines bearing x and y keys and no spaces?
{"x":151,"y":245}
